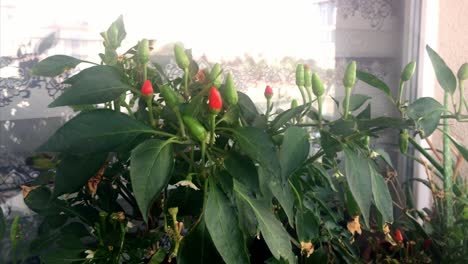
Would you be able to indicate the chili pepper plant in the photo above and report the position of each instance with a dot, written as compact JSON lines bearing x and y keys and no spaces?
{"x":153,"y":169}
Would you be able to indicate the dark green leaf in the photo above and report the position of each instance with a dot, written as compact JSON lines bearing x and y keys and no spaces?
{"x":329,"y":143}
{"x":283,"y":193}
{"x":307,"y":226}
{"x":276,"y":237}
{"x":158,"y":257}
{"x":151,"y":163}
{"x":63,"y":256}
{"x":38,"y":199}
{"x":247,"y":107}
{"x":259,"y":147}
{"x":73,"y":172}
{"x":374,"y":82}
{"x":243,"y":170}
{"x":293,"y":151}
{"x":359,"y":180}
{"x":381,"y":194}
{"x":284,"y":117}
{"x":459,"y":147}
{"x":443,"y":73}
{"x":425,"y":112}
{"x":46,"y":43}
{"x":384,"y":122}
{"x":95,"y":85}
{"x":223,"y":226}
{"x":54,"y":65}
{"x":94,"y":131}
{"x":357,"y":100}
{"x":197,"y":247}
{"x":384,"y":155}
{"x":343,"y":127}
{"x":321,"y":171}
{"x":366,"y":113}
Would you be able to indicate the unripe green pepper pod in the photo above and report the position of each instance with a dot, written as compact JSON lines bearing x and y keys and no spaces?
{"x":181,"y":58}
{"x":307,"y":79}
{"x":350,"y":75}
{"x":143,"y":51}
{"x":215,"y":75}
{"x":195,"y":128}
{"x":317,"y":85}
{"x":366,"y":141}
{"x":294,"y":104}
{"x":462,"y":73}
{"x":300,"y":75}
{"x":230,"y":92}
{"x":408,"y":71}
{"x":170,"y":96}
{"x":404,"y":141}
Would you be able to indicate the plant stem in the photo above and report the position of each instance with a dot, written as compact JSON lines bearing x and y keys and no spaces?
{"x":181,"y":123}
{"x":213,"y":125}
{"x":301,"y":89}
{"x":149,"y":104}
{"x":319,"y":101}
{"x":129,"y":110}
{"x":400,"y":94}
{"x":268,"y":108}
{"x":448,"y":177}
{"x":346,"y":103}
{"x":462,"y":95}
{"x":186,"y":73}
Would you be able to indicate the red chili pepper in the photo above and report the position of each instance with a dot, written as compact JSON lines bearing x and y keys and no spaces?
{"x":147,"y":88}
{"x":215,"y":102}
{"x":398,"y":236}
{"x":427,"y":244}
{"x":268,"y":92}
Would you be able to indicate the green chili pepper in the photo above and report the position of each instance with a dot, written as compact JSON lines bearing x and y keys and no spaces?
{"x":215,"y":75}
{"x":350,"y":75}
{"x":408,"y":71}
{"x":300,"y":75}
{"x":181,"y":58}
{"x":170,"y":96}
{"x":143,"y":51}
{"x":404,"y":141}
{"x":196,"y":128}
{"x":230,"y":92}
{"x":317,"y":86}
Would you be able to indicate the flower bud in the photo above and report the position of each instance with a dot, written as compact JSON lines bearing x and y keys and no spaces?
{"x":181,"y":58}
{"x":143,"y":51}
{"x":215,"y":102}
{"x":317,"y":86}
{"x":408,"y":71}
{"x":350,"y":75}
{"x":463,"y":72}
{"x":195,"y":128}
{"x":404,"y":141}
{"x":300,"y":75}
{"x":215,"y":75}
{"x":268,"y":92}
{"x":230,"y":91}
{"x":147,"y":88}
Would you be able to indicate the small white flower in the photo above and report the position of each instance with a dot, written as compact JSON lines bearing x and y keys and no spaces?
{"x":373,"y":155}
{"x":187,"y":183}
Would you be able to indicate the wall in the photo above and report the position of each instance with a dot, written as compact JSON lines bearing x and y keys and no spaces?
{"x":453,"y":47}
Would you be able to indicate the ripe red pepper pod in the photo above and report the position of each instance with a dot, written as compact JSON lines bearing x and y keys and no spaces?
{"x":215,"y":102}
{"x":147,"y":88}
{"x":268,"y":92}
{"x":398,"y":236}
{"x":427,"y":244}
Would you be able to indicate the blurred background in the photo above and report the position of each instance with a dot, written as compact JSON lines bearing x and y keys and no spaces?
{"x":260,"y":42}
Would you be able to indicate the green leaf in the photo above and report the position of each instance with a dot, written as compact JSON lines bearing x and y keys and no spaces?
{"x":444,"y":75}
{"x":38,"y":199}
{"x":425,"y":111}
{"x":54,"y":65}
{"x":366,"y":113}
{"x":63,"y":256}
{"x":283,"y":193}
{"x":94,"y":131}
{"x":322,"y":172}
{"x":381,"y":194}
{"x":223,"y":226}
{"x":384,"y":155}
{"x":343,"y":127}
{"x":95,"y":85}
{"x":293,"y":151}
{"x":259,"y":147}
{"x":247,"y":107}
{"x":151,"y":163}
{"x":158,"y":257}
{"x":2,"y":224}
{"x":73,"y":172}
{"x":307,"y":226}
{"x":242,"y":169}
{"x":276,"y":237}
{"x":197,"y":247}
{"x":374,"y":82}
{"x":359,"y":180}
{"x":384,"y":122}
{"x":357,"y":100}
{"x":459,"y":146}
{"x":281,"y":119}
